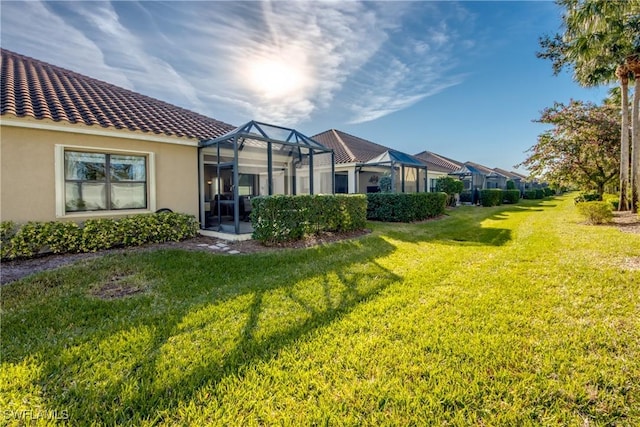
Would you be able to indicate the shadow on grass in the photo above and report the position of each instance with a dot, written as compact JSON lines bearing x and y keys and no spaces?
{"x":465,"y":225}
{"x":207,"y":318}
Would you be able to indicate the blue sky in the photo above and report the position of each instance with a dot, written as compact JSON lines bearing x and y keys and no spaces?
{"x":457,"y":78}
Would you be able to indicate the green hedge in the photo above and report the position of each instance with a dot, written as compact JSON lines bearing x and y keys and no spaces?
{"x":33,"y":238}
{"x":587,"y":197}
{"x":281,"y":218}
{"x":405,"y":207}
{"x":548,"y":192}
{"x":491,"y":197}
{"x":511,"y":196}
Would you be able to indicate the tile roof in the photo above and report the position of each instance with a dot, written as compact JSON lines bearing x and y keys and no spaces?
{"x":510,"y":174}
{"x":32,"y":88}
{"x":349,"y":148}
{"x":477,"y":166}
{"x":438,"y":163}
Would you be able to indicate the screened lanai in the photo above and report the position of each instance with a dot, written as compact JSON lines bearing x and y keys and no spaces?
{"x":407,"y":173}
{"x":258,"y":159}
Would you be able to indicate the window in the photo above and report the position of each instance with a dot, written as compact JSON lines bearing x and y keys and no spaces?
{"x":101,"y":181}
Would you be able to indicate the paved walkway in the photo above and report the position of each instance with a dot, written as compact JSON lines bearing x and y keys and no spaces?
{"x":220,"y":246}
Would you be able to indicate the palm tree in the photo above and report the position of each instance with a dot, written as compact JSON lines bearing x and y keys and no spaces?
{"x":622,"y":72}
{"x":601,"y":43}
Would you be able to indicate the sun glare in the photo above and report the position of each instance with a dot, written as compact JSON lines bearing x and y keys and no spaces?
{"x":275,"y":78}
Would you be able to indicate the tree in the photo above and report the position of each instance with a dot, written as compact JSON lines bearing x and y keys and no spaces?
{"x":601,"y":42}
{"x":581,"y":149}
{"x":451,"y":186}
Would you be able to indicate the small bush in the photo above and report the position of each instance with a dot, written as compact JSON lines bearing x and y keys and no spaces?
{"x":511,"y":196}
{"x":491,"y":197}
{"x":511,"y":185}
{"x":596,"y":212}
{"x":548,"y":192}
{"x":450,"y":186}
{"x":614,"y":199}
{"x":405,"y":207}
{"x":33,"y":238}
{"x":587,"y":197}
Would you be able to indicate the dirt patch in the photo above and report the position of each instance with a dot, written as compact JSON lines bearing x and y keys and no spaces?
{"x":15,"y":270}
{"x":627,"y":222}
{"x":631,"y":263}
{"x":119,"y":286}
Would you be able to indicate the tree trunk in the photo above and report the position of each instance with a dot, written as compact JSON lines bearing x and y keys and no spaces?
{"x":624,"y":205}
{"x":635,"y":144}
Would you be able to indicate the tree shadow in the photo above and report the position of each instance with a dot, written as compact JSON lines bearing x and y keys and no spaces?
{"x":326,"y":284}
{"x":465,"y":226}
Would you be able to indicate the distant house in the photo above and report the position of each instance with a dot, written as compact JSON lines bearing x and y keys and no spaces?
{"x":360,"y":165}
{"x":437,"y":166}
{"x":74,"y":147}
{"x":519,"y":180}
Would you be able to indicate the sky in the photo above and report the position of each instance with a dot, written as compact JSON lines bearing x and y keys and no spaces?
{"x":460,"y":79}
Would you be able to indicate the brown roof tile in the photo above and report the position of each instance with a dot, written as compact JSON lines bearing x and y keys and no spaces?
{"x":437,"y":162}
{"x":32,"y":88}
{"x":349,"y":148}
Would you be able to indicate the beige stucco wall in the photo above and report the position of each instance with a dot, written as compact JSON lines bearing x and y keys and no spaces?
{"x":27,"y":171}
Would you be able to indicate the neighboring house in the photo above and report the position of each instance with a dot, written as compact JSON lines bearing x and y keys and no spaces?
{"x":519,"y":180}
{"x":360,"y":165}
{"x":74,"y":147}
{"x":437,"y":166}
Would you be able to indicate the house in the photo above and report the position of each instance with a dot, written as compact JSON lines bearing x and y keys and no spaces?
{"x":438,"y":166}
{"x":74,"y":148}
{"x":361,"y":165}
{"x":519,"y":180}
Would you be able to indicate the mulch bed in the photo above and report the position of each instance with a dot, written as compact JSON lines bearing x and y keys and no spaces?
{"x":17,"y":269}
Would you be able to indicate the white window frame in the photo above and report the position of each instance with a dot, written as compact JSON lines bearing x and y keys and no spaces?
{"x":60,"y":182}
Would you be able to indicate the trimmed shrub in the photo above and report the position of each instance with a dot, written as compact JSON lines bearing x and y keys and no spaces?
{"x":450,"y":186}
{"x":511,"y":196}
{"x":534,"y":194}
{"x":34,"y":238}
{"x":511,"y":185}
{"x":405,"y":207}
{"x":280,"y":218}
{"x":587,"y":197}
{"x":491,"y":197}
{"x":548,"y":192}
{"x":596,"y":212}
{"x":614,"y":199}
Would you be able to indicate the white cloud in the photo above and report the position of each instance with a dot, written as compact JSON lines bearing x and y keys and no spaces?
{"x":32,"y":29}
{"x":349,"y":56}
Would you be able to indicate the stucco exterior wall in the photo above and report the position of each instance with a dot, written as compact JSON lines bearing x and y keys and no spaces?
{"x":28,"y":178}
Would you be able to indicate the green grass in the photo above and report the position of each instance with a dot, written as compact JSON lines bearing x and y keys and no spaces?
{"x":512,"y":315}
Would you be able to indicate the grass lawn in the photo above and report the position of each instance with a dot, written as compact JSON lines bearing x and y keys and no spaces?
{"x":513,"y":315}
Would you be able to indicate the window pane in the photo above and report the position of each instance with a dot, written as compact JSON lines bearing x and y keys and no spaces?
{"x":85,"y":196}
{"x":128,"y":196}
{"x":85,"y":166}
{"x":128,"y":168}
